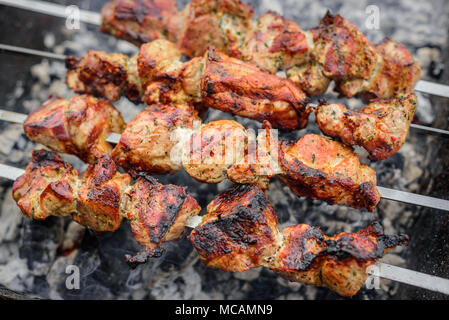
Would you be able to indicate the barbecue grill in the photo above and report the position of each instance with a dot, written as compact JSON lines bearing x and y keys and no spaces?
{"x":178,"y":271}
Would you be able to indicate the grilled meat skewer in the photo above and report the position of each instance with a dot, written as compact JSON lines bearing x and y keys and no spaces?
{"x":102,"y":197}
{"x":167,"y":138}
{"x":335,"y":50}
{"x":215,"y":80}
{"x":240,"y":232}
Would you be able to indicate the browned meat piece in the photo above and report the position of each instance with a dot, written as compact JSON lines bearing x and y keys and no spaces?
{"x":157,"y":213}
{"x":99,"y":196}
{"x":140,"y":21}
{"x":157,"y":60}
{"x":261,"y":162}
{"x":320,"y":168}
{"x":223,"y":83}
{"x":239,"y":231}
{"x":78,"y":126}
{"x":396,"y":74}
{"x":106,"y":75}
{"x":276,"y":43}
{"x":211,"y":151}
{"x":147,"y":141}
{"x":381,"y":127}
{"x":219,"y":23}
{"x":339,"y":262}
{"x":165,"y":78}
{"x":239,"y":88}
{"x":47,"y":188}
{"x":309,"y":77}
{"x":343,"y":52}
{"x":384,"y":70}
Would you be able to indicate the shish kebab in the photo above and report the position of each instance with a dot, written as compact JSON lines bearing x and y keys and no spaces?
{"x":157,"y":75}
{"x":333,"y":258}
{"x":96,"y":19}
{"x":335,"y":50}
{"x":314,"y":166}
{"x":239,"y":232}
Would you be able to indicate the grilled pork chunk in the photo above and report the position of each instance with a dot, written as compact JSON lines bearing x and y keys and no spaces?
{"x":99,"y":196}
{"x":140,"y":21}
{"x":239,"y":231}
{"x":48,"y":187}
{"x":320,"y":168}
{"x":78,"y":126}
{"x":276,"y":43}
{"x":381,"y":127}
{"x":157,"y":213}
{"x":219,"y":23}
{"x":147,"y":142}
{"x":338,"y":262}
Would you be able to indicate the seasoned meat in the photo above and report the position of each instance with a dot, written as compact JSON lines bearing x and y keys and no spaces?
{"x":99,"y":196}
{"x":213,"y":149}
{"x":78,"y":126}
{"x":396,"y":73}
{"x":275,"y":43}
{"x":343,"y":52}
{"x":384,"y":70}
{"x":335,"y":50}
{"x":320,"y":168}
{"x":163,"y":74}
{"x":381,"y":127}
{"x":148,"y":140}
{"x":239,"y":231}
{"x":338,"y":262}
{"x":157,"y":214}
{"x":261,"y":162}
{"x":239,"y":88}
{"x":158,"y":60}
{"x":219,"y":23}
{"x":47,"y":188}
{"x":104,"y":74}
{"x":309,"y":77}
{"x":158,"y":76}
{"x":140,"y":21}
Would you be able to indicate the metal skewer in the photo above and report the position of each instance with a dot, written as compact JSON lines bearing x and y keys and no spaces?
{"x":386,"y":271}
{"x":388,"y":194}
{"x":53,"y":9}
